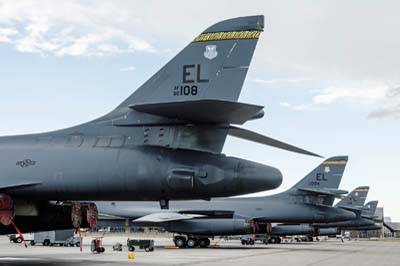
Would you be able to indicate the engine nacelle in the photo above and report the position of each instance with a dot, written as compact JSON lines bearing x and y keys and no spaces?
{"x":54,"y":217}
{"x":6,"y":210}
{"x":328,"y":231}
{"x":292,"y":229}
{"x":211,"y":227}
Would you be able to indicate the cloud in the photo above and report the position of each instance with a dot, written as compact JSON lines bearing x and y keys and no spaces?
{"x":285,"y":80}
{"x":300,"y":107}
{"x":355,"y":94}
{"x":389,"y":107}
{"x":6,"y":34}
{"x":129,"y":68}
{"x":75,"y":28}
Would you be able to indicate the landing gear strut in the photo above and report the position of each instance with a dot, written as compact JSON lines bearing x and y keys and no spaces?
{"x":164,"y":204}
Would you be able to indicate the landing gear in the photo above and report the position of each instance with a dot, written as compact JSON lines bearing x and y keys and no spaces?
{"x":164,"y":204}
{"x":275,"y":240}
{"x":191,"y":242}
{"x":180,"y":241}
{"x":249,"y":241}
{"x":204,"y":242}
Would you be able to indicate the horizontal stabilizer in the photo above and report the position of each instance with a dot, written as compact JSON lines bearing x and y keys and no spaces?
{"x":256,"y":137}
{"x":103,"y":216}
{"x":213,"y":213}
{"x":202,"y":111}
{"x":162,"y":217}
{"x":353,"y":208}
{"x":371,"y":217}
{"x":16,"y":184}
{"x":337,"y":193}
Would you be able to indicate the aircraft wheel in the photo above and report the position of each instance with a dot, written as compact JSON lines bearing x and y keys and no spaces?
{"x":191,"y":243}
{"x":204,"y":242}
{"x":180,"y":242}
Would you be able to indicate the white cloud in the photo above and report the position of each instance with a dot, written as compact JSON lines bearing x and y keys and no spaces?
{"x":129,"y":68}
{"x":354,"y":94}
{"x":89,"y":28}
{"x":300,"y":107}
{"x":389,"y":107}
{"x":285,"y":80}
{"x":6,"y":34}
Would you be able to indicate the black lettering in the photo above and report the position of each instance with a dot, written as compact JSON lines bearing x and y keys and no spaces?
{"x":199,"y":80}
{"x":186,"y":90}
{"x":194,"y":90}
{"x":187,"y":73}
{"x":321,"y":177}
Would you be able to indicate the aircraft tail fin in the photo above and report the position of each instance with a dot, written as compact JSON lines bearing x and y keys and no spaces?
{"x":324,"y":180}
{"x":370,"y":208}
{"x":356,"y":198}
{"x":325,"y":176}
{"x":213,"y":66}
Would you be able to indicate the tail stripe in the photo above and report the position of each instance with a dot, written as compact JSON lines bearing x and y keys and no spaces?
{"x":334,"y":162}
{"x":228,"y":35}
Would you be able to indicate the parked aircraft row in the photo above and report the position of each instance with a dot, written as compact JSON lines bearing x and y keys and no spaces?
{"x":161,"y":152}
{"x":305,"y":209}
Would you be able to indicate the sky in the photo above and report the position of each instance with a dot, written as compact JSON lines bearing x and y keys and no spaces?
{"x":327,"y":72}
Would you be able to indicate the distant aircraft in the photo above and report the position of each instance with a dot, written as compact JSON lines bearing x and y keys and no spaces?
{"x":306,"y":202}
{"x":354,"y":202}
{"x":163,"y":142}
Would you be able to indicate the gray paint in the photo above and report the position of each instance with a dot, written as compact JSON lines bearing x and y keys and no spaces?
{"x":292,"y":206}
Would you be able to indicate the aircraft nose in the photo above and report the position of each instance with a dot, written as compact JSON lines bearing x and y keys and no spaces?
{"x":255,"y":177}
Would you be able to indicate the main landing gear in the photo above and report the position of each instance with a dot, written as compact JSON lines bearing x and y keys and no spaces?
{"x":191,"y":242}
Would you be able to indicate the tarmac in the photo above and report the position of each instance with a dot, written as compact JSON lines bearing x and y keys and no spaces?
{"x":331,"y":252}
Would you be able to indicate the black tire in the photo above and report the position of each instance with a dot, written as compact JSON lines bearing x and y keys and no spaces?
{"x":180,"y":242}
{"x":278,"y":240}
{"x":272,"y":240}
{"x":191,"y":243}
{"x":18,"y":240}
{"x":151,"y":249}
{"x":131,"y":249}
{"x":33,"y":243}
{"x":243,"y":242}
{"x":251,"y":242}
{"x":78,"y":244}
{"x":46,"y":243}
{"x":147,"y":249}
{"x":203,"y":243}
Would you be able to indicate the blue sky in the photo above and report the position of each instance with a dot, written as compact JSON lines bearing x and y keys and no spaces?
{"x":328,"y":73}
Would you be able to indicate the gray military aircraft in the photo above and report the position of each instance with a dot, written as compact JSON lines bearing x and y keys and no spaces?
{"x":353,"y":202}
{"x":367,"y":222}
{"x":305,"y":202}
{"x":163,"y":142}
